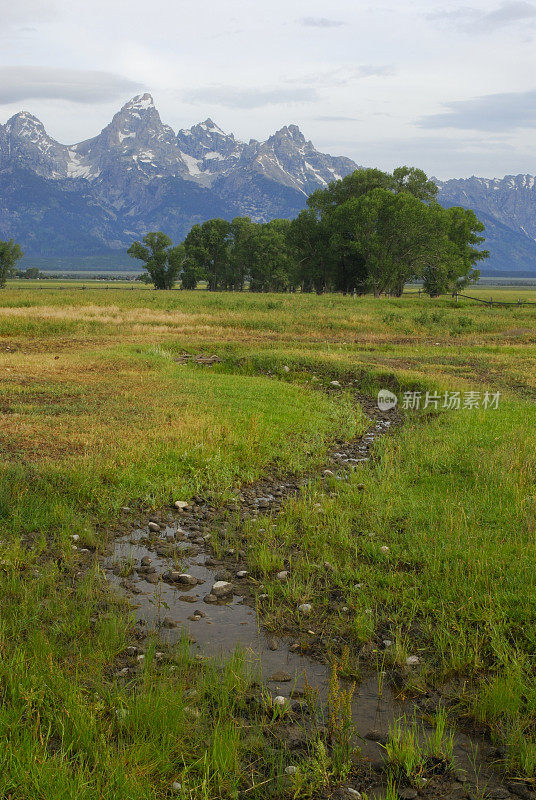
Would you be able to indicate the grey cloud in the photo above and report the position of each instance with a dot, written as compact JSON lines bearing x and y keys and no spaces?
{"x":478,"y":21}
{"x":28,"y":11}
{"x":78,"y":86}
{"x":492,"y":112}
{"x":342,"y":76}
{"x":337,"y":119}
{"x":321,"y":22}
{"x":232,"y":97}
{"x":372,"y":71}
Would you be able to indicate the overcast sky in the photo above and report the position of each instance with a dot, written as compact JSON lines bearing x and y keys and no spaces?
{"x":449,"y":86}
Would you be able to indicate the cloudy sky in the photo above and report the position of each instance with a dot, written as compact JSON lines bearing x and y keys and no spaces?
{"x":448,"y":85}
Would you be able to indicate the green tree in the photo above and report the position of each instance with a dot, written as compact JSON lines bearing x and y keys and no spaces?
{"x":308,"y":240}
{"x":396,"y":235}
{"x":10,"y":254}
{"x":207,"y":250}
{"x":452,"y":275}
{"x":162,"y":261}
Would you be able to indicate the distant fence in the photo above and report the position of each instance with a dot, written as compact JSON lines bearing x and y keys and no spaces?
{"x":491,"y":302}
{"x":416,"y":293}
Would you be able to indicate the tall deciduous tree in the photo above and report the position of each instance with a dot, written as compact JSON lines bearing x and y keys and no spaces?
{"x":162,"y":261}
{"x":207,"y":249}
{"x":10,"y":254}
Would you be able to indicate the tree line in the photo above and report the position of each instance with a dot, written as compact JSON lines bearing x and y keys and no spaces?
{"x":372,"y":231}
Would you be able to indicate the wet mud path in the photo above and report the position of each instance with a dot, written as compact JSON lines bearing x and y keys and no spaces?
{"x":166,"y":569}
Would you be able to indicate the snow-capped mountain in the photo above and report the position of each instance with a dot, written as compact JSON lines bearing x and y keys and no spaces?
{"x":138,"y":175}
{"x":507,"y":206}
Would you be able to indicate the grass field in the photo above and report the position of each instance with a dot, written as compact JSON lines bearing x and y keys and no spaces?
{"x":96,"y":415}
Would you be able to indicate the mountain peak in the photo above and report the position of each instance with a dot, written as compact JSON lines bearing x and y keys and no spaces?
{"x":209,"y":126}
{"x":24,"y":118}
{"x":141,"y":102}
{"x":290,"y":132}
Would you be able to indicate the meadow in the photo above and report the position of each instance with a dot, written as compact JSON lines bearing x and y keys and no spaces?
{"x":433,"y":541}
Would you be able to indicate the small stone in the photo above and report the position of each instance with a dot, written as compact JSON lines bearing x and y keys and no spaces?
{"x":376,"y":736}
{"x":281,"y":677}
{"x":407,"y":793}
{"x":210,"y":598}
{"x":167,"y":622}
{"x":222,"y":589}
{"x":273,"y":645}
{"x":176,"y":786}
{"x":186,"y":579}
{"x":280,"y":700}
{"x":387,"y":643}
{"x":291,"y":770}
{"x":286,"y":369}
{"x":188,"y":598}
{"x":294,"y":647}
{"x":180,"y":504}
{"x":154,"y":526}
{"x":242,"y":573}
{"x":345,"y":609}
{"x":334,"y":383}
{"x":125,"y":509}
{"x":305,"y":609}
{"x":146,"y":561}
{"x":328,"y":473}
{"x":384,"y":548}
{"x":412,"y":661}
{"x":283,"y":575}
{"x":223,"y":575}
{"x":75,"y":537}
{"x":519,"y":789}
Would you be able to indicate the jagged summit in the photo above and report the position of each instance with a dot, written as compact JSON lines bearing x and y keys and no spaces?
{"x":23,"y":124}
{"x":139,"y":102}
{"x":290,"y":131}
{"x":137,"y":174}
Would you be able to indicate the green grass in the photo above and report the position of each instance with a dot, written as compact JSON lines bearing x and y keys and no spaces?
{"x":96,"y":414}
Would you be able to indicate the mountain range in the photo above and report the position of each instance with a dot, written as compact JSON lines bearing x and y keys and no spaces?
{"x":95,"y":197}
{"x":138,"y":175}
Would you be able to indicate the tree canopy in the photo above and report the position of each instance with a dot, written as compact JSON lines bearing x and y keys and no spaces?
{"x":162,"y":261}
{"x":10,"y":254}
{"x":371,"y":231}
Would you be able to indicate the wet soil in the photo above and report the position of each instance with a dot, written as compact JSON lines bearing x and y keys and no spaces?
{"x":147,"y":559}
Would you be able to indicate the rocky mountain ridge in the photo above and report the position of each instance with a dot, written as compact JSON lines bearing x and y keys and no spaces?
{"x":507,"y":207}
{"x":138,"y":175}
